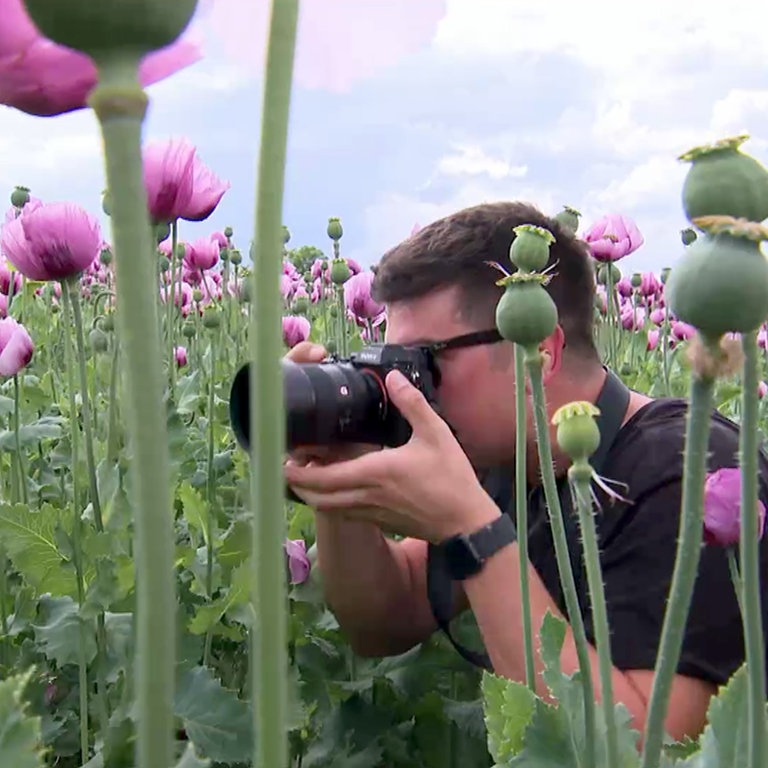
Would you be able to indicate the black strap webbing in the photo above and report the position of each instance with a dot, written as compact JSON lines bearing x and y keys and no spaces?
{"x":612,"y":403}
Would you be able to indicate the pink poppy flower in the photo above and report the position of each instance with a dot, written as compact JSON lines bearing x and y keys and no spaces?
{"x":16,"y":347}
{"x":43,"y":78}
{"x":722,"y":502}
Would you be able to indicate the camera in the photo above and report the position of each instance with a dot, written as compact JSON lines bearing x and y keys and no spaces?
{"x":342,"y":400}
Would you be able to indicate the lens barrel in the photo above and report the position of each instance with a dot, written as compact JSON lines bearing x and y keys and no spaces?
{"x":325,"y":404}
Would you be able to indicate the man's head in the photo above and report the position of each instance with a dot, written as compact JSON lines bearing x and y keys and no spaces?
{"x":438,"y":284}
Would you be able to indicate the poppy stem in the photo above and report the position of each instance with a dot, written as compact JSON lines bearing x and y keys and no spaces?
{"x":749,"y":551}
{"x":269,"y":663}
{"x":120,"y":105}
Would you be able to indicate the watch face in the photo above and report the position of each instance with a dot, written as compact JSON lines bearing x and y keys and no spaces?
{"x":462,"y":557}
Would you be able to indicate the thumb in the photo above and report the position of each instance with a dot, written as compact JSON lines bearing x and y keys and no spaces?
{"x":410,"y":402}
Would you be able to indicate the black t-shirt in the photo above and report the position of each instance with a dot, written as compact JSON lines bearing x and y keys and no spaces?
{"x":638,"y":543}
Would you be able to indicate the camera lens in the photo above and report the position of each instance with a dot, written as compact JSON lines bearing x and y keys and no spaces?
{"x":325,"y":403}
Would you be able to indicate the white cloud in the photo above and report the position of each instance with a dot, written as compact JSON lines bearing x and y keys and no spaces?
{"x":472,"y":160}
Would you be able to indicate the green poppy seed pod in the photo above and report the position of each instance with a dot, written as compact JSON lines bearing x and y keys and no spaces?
{"x":188,"y":329}
{"x":181,"y":251}
{"x":286,"y":235}
{"x":608,"y":270}
{"x":162,"y":232}
{"x":20,"y":197}
{"x":197,"y":295}
{"x":308,"y":277}
{"x":530,"y":248}
{"x":688,"y":235}
{"x":300,"y":305}
{"x":107,"y":322}
{"x":333,"y":310}
{"x":108,"y":26}
{"x":723,"y":181}
{"x":331,"y":346}
{"x":235,"y":257}
{"x":720,"y":284}
{"x":568,"y":218}
{"x":211,"y":318}
{"x":526,"y":313}
{"x":340,"y":272}
{"x":665,"y":275}
{"x":105,"y":256}
{"x":335,"y":230}
{"x":106,"y":202}
{"x":224,"y":254}
{"x":98,"y":340}
{"x":577,"y":432}
{"x":636,"y":280}
{"x":163,"y":264}
{"x":55,"y":309}
{"x":228,"y":232}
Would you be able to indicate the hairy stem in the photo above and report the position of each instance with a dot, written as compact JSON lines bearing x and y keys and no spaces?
{"x":749,"y":550}
{"x":686,"y":565}
{"x":521,"y":513}
{"x":560,"y":540}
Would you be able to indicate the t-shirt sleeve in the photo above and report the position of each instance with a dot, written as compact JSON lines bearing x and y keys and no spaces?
{"x":637,"y":571}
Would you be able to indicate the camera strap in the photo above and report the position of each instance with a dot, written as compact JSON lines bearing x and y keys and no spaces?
{"x":612,"y":403}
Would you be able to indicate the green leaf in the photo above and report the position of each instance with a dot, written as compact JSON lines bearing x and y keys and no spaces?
{"x":548,"y":741}
{"x":58,"y":630}
{"x":48,"y":427}
{"x":210,"y":615}
{"x":194,"y":509}
{"x":20,"y":734}
{"x":235,"y":545}
{"x":508,"y":707}
{"x":6,"y":405}
{"x":30,"y":540}
{"x":724,"y":740}
{"x":216,"y":721}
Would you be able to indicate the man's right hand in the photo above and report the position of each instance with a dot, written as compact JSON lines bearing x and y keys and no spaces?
{"x":308,"y":352}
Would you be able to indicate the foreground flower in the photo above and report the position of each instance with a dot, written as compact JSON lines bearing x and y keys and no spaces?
{"x":42,"y":78}
{"x":52,"y":242}
{"x":613,"y":237}
{"x":722,"y":501}
{"x":179,"y":185}
{"x":295,"y":330}
{"x":298,"y":562}
{"x":16,"y":347}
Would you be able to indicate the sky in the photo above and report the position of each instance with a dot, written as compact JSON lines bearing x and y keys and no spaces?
{"x":404,"y":111}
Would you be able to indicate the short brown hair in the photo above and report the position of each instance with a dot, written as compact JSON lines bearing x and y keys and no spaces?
{"x":455,"y":250}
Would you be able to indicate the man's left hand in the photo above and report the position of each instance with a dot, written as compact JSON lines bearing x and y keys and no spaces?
{"x":426,"y":488}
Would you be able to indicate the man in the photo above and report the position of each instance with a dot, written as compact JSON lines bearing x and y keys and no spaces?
{"x":437,"y":285}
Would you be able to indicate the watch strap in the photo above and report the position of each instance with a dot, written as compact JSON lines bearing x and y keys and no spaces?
{"x":482,"y":543}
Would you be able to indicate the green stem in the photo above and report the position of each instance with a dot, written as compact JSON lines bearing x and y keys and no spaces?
{"x":72,"y":294}
{"x":269,"y":657}
{"x":749,"y":549}
{"x":686,"y":565}
{"x":169,"y":310}
{"x":113,"y":447}
{"x":120,"y":105}
{"x":733,"y":568}
{"x":560,"y":540}
{"x":211,"y":489}
{"x":521,"y":513}
{"x":77,"y":544}
{"x":17,"y":438}
{"x":581,"y":475}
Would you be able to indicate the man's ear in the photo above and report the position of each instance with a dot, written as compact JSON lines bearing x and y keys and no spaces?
{"x":551,"y":350}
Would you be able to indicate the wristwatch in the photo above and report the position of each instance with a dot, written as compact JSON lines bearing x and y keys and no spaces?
{"x":466,"y":553}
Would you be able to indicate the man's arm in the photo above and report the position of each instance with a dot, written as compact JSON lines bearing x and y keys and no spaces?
{"x":376,"y":587}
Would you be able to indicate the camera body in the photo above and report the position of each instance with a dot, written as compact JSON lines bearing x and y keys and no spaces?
{"x":342,"y":400}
